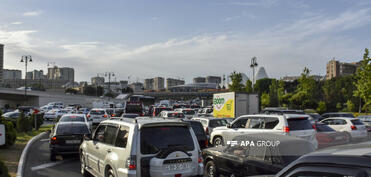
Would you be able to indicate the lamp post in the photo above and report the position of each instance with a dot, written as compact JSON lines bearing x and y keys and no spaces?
{"x":26,"y":59}
{"x":109,"y":74}
{"x":253,"y":65}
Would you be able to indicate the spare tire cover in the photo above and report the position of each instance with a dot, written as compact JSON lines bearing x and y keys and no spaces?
{"x":177,"y":162}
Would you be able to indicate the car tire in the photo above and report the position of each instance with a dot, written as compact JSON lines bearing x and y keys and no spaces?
{"x":218,"y":141}
{"x":83,"y":170}
{"x":210,"y":170}
{"x":110,"y":173}
{"x":52,"y":157}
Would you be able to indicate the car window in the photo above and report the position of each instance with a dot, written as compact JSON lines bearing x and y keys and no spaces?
{"x":324,"y":128}
{"x":72,"y":119}
{"x":197,"y":128}
{"x":328,"y":122}
{"x":204,"y":122}
{"x":99,"y":132}
{"x":255,"y":123}
{"x":122,"y":137}
{"x":69,"y":129}
{"x":315,"y":174}
{"x":110,"y":134}
{"x":356,"y":122}
{"x":299,"y":124}
{"x":188,"y":112}
{"x":270,"y":122}
{"x":339,"y":122}
{"x":241,"y":123}
{"x":97,"y":112}
{"x":218,"y":123}
{"x":170,"y":136}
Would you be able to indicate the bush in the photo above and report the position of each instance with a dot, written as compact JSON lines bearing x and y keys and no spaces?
{"x":39,"y":119}
{"x":3,"y":170}
{"x":10,"y":132}
{"x":23,"y":124}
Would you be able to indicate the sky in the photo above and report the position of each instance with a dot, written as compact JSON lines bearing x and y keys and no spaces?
{"x":183,"y":38}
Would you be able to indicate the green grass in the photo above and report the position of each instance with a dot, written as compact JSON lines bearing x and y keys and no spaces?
{"x":10,"y":156}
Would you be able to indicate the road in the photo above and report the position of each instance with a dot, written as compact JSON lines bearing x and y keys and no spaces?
{"x":37,"y":162}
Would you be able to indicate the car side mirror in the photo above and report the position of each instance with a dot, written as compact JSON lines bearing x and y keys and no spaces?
{"x":229,"y":125}
{"x":87,"y":137}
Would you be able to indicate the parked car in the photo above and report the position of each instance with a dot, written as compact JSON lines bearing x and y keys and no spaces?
{"x":287,"y":124}
{"x":83,"y":111}
{"x":210,"y":123}
{"x":97,"y":115}
{"x":254,"y":158}
{"x":142,"y":147}
{"x":66,"y":138}
{"x":12,"y":116}
{"x":326,"y":136}
{"x":281,"y":111}
{"x":197,"y":127}
{"x":110,"y":112}
{"x":354,"y":128}
{"x":336,"y":114}
{"x":54,"y":114}
{"x":75,"y":118}
{"x":157,"y":110}
{"x":345,"y":160}
{"x":171,"y":114}
{"x":314,"y":117}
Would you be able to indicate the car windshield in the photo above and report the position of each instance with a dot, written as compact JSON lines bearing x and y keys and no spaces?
{"x":130,"y":115}
{"x":176,"y":115}
{"x":188,"y":112}
{"x":154,"y":139}
{"x":299,"y":124}
{"x":356,"y":122}
{"x":70,"y":129}
{"x":97,"y":112}
{"x":324,"y":128}
{"x":197,"y":128}
{"x":218,"y":123}
{"x":72,"y":119}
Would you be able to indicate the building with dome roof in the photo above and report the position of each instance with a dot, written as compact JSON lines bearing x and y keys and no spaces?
{"x":261,"y":74}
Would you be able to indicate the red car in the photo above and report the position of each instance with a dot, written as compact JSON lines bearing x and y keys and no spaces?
{"x":326,"y":136}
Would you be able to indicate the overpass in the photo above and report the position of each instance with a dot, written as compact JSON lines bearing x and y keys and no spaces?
{"x":178,"y":95}
{"x":41,"y":98}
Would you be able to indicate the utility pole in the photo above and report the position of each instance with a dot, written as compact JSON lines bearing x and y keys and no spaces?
{"x":109,"y":74}
{"x":253,"y":65}
{"x":26,"y":59}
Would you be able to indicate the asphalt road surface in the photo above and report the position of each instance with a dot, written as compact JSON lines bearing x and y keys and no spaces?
{"x":37,"y":162}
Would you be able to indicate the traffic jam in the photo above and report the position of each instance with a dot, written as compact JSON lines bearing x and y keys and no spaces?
{"x":229,"y":138}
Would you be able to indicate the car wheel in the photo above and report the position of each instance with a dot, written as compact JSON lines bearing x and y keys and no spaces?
{"x":83,"y":170}
{"x":110,"y":173}
{"x":218,"y":141}
{"x":210,"y":170}
{"x":52,"y":157}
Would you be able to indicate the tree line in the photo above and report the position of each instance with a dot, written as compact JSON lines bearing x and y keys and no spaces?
{"x":348,"y":93}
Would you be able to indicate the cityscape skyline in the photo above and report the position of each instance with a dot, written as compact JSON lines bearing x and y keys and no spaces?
{"x":187,"y":39}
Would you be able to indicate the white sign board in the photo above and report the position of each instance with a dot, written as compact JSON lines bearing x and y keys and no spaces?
{"x":2,"y":134}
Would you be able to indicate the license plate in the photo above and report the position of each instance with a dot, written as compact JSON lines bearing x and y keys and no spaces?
{"x":177,"y":166}
{"x":73,"y":141}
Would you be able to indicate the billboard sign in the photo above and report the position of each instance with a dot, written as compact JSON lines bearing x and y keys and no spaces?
{"x":223,"y":105}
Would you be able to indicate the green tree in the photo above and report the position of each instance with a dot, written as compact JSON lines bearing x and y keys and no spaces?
{"x":350,"y":106}
{"x":339,"y":106}
{"x":23,"y":123}
{"x":321,"y":107}
{"x":248,"y":87}
{"x":273,"y":95}
{"x":236,"y":85}
{"x":363,"y":81}
{"x":281,"y":92}
{"x":264,"y":100}
{"x":304,"y":93}
{"x":3,"y":170}
{"x":262,"y":86}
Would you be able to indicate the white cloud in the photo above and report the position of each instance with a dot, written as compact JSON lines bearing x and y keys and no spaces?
{"x":283,"y":50}
{"x":259,"y":3}
{"x":17,"y":23}
{"x":32,"y":13}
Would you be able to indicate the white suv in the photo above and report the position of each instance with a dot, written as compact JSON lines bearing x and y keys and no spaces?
{"x":354,"y":128}
{"x":287,"y":124}
{"x":97,"y":115}
{"x":141,"y":147}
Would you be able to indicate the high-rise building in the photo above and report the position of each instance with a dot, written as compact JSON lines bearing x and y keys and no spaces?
{"x":64,"y":73}
{"x":213,"y":79}
{"x":335,"y":68}
{"x":158,"y":83}
{"x":198,"y":80}
{"x":136,"y":86}
{"x":173,"y":82}
{"x":1,"y":62}
{"x":29,"y":75}
{"x":12,"y":74}
{"x":148,"y":84}
{"x":35,"y":75}
{"x":97,"y":81}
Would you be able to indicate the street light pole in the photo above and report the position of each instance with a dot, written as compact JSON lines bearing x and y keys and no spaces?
{"x":26,"y":59}
{"x":253,"y":65}
{"x":109,"y":74}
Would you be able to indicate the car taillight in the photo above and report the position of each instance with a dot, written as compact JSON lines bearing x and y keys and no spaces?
{"x":88,"y":116}
{"x":105,"y":116}
{"x":207,"y":131}
{"x":206,"y":143}
{"x":113,"y":115}
{"x":353,"y":127}
{"x":314,"y":127}
{"x":286,"y":129}
{"x":199,"y":157}
{"x":178,"y":175}
{"x":131,"y":163}
{"x":53,"y":140}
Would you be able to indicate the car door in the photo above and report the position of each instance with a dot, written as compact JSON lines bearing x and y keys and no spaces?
{"x":105,"y":148}
{"x":339,"y":125}
{"x":237,"y":128}
{"x":94,"y":148}
{"x":231,"y":160}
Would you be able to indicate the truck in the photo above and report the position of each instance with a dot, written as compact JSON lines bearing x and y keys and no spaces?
{"x":234,"y":104}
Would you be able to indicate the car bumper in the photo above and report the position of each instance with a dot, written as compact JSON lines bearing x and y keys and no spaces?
{"x":64,"y":150}
{"x":358,"y":134}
